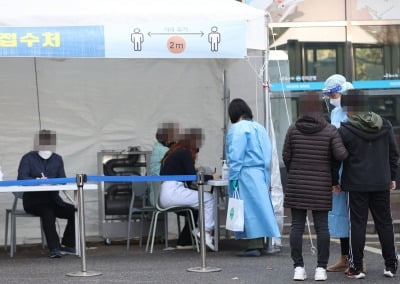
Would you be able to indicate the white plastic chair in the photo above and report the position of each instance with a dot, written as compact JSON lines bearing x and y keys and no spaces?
{"x":12,"y":214}
{"x":156,"y":186}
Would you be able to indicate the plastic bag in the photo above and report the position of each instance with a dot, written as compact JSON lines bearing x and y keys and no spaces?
{"x":235,"y":213}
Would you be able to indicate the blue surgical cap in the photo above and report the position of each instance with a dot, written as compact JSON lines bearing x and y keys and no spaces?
{"x":334,"y":84}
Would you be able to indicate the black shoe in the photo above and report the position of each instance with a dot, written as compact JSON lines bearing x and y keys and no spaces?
{"x":272,"y":250}
{"x":55,"y":253}
{"x":249,"y":253}
{"x":68,"y":250}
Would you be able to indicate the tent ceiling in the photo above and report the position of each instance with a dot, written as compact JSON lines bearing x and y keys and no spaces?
{"x":25,"y":13}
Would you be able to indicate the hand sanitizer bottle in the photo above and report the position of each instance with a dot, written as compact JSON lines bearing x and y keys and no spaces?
{"x":224,"y":170}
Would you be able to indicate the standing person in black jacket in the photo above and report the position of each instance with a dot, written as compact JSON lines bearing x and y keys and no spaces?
{"x":44,"y":163}
{"x":368,"y":176}
{"x":311,"y":145}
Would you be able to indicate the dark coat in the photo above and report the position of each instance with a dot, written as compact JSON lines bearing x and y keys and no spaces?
{"x":32,"y":166}
{"x":310,"y":147}
{"x":373,"y":158}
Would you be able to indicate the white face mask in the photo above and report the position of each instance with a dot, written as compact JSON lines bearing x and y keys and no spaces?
{"x":45,"y":154}
{"x":335,"y":102}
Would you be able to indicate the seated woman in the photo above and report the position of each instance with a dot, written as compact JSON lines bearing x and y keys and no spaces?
{"x":180,"y":160}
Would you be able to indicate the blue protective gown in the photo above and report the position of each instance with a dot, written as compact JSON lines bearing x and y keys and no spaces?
{"x":338,"y":217}
{"x":248,"y":152}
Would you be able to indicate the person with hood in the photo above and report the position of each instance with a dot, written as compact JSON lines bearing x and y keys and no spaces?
{"x":44,"y":163}
{"x":248,"y":152}
{"x":368,"y":177}
{"x":310,"y":148}
{"x":335,"y":87}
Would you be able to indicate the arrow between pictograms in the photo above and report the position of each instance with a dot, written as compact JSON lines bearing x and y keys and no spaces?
{"x":151,"y":34}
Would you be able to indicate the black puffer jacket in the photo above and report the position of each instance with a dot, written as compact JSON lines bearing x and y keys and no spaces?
{"x":311,"y":145}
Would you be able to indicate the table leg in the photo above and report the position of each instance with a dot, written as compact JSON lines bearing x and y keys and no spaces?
{"x":216,"y":194}
{"x":77,"y":230}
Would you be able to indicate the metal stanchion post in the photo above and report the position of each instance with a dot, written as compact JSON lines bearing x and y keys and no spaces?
{"x":203,"y":267}
{"x":80,"y":180}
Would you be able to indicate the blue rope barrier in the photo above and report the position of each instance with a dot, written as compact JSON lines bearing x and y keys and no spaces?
{"x":142,"y":178}
{"x":37,"y":181}
{"x":98,"y":179}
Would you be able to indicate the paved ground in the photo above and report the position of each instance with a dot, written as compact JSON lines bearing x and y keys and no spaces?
{"x":31,"y":265}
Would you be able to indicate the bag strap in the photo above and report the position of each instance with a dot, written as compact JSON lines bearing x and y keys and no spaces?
{"x":236,"y":194}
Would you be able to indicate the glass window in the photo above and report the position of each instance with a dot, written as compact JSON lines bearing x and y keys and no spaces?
{"x":320,"y":62}
{"x":368,"y":63}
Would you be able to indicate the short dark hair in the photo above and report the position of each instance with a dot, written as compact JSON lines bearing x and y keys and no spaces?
{"x":310,"y":103}
{"x":356,"y":101}
{"x":239,"y":108}
{"x":47,"y":137}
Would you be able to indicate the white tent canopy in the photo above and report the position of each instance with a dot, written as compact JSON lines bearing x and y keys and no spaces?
{"x":99,"y":104}
{"x":47,"y":13}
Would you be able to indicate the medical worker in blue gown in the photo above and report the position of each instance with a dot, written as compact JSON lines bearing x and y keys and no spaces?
{"x":336,"y":86}
{"x":248,"y":152}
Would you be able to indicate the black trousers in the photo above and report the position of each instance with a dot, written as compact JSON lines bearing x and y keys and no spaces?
{"x":297,"y":231}
{"x":378,"y":202}
{"x":48,"y":213}
{"x":185,"y":236}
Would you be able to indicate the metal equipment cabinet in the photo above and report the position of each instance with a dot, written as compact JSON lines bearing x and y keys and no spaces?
{"x":114,"y":198}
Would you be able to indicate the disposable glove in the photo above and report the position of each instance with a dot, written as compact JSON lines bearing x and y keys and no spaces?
{"x":234,"y":184}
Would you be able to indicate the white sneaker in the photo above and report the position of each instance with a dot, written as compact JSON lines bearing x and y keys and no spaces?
{"x":196,"y":233}
{"x":320,"y":274}
{"x":299,"y":274}
{"x":388,"y":273}
{"x":209,"y":241}
{"x":208,"y":238}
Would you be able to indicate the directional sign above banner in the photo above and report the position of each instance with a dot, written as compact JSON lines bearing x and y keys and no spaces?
{"x":189,"y":40}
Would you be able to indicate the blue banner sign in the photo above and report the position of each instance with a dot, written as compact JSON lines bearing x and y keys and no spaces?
{"x":318,"y":86}
{"x":377,"y":84}
{"x":296,"y":86}
{"x":155,"y":40}
{"x":86,"y":41}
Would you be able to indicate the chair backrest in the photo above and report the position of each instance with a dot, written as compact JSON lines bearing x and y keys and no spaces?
{"x":140,"y":189}
{"x":155,"y":188}
{"x":17,"y":195}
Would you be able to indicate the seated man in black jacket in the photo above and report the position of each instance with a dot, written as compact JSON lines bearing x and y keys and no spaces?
{"x":368,"y":176}
{"x":44,"y":163}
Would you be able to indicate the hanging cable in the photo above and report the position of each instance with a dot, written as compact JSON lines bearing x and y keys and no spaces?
{"x":259,"y":78}
{"x":259,"y":72}
{"x":37,"y":95}
{"x":280,"y":78}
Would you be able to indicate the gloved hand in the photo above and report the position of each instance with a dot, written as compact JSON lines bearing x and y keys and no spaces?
{"x":234,"y":184}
